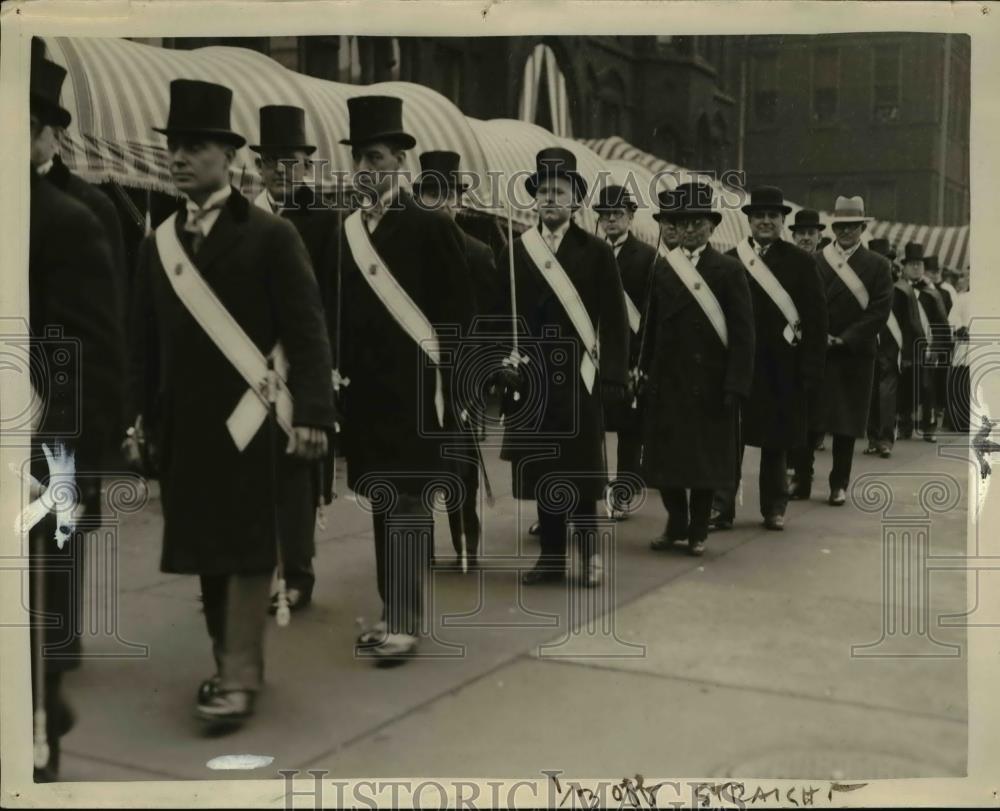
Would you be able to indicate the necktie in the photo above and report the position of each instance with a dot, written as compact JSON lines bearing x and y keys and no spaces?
{"x":194,"y":225}
{"x":550,"y":238}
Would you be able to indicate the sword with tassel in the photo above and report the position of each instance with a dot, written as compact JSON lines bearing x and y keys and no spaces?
{"x":514,"y":359}
{"x":283,"y":613}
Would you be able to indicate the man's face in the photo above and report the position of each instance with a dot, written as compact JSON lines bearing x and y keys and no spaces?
{"x":280,"y":171}
{"x":694,"y":231}
{"x":933,"y":275}
{"x":806,"y":238}
{"x":198,"y":167}
{"x":436,"y":198}
{"x":669,"y":234}
{"x":848,"y":234}
{"x":765,"y":225}
{"x":376,"y":165}
{"x":615,"y":222}
{"x":43,"y":142}
{"x":555,"y":201}
{"x":913,"y":270}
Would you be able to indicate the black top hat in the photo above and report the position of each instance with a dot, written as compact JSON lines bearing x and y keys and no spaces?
{"x":439,"y":170}
{"x":46,"y":85}
{"x":931,"y":264}
{"x":882,"y":246}
{"x":687,"y":200}
{"x":807,"y":218}
{"x":612,"y":198}
{"x":767,"y":198}
{"x":283,"y":129}
{"x":377,"y":118}
{"x":200,"y":109}
{"x":913,"y":252}
{"x":556,"y":162}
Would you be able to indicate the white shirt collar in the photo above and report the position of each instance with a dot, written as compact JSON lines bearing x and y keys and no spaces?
{"x":694,"y":255}
{"x":620,"y":241}
{"x":759,"y":249}
{"x":848,"y":253}
{"x":214,"y":202}
{"x":43,"y":170}
{"x":557,"y":235}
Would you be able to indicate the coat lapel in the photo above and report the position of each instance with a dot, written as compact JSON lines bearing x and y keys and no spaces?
{"x":391,"y":222}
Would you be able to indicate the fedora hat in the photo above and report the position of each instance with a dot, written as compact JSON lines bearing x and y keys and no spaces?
{"x":200,"y":109}
{"x":612,"y":198}
{"x":849,"y":209}
{"x":377,"y":118}
{"x":913,"y":252}
{"x":556,"y":162}
{"x":439,"y":170}
{"x":46,"y":86}
{"x":806,"y":218}
{"x":283,"y":128}
{"x":767,"y":198}
{"x":882,"y":246}
{"x":687,"y":200}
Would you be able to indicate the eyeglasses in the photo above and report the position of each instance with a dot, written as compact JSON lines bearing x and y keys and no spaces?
{"x":692,"y":224}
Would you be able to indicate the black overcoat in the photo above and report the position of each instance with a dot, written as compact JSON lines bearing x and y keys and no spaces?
{"x":776,"y":415}
{"x":557,"y":417}
{"x":845,"y":399}
{"x":890,"y":356}
{"x":391,"y":431}
{"x":218,"y":502}
{"x":689,"y":432}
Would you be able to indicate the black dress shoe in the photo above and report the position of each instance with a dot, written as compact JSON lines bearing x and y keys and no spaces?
{"x":696,"y":547}
{"x":543,"y":574}
{"x":871,"y":450}
{"x":372,"y":637}
{"x":227,"y":707}
{"x":208,"y":689}
{"x":800,"y":492}
{"x":775,"y":522}
{"x":535,"y":529}
{"x":297,"y":600}
{"x":717,"y":522}
{"x":665,"y":542}
{"x":930,"y":438}
{"x":838,"y":497}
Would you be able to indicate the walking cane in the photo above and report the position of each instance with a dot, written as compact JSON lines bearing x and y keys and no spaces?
{"x":516,"y":396}
{"x":283,"y":613}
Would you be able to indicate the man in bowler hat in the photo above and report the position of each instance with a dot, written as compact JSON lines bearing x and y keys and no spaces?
{"x":228,"y":480}
{"x":807,"y":230}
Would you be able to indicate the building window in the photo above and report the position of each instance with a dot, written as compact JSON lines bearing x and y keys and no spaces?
{"x":886,"y":80}
{"x":881,"y":202}
{"x":448,"y":67}
{"x":764,"y":80}
{"x":826,"y":84}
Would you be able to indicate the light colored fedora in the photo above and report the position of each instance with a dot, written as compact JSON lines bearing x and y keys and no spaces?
{"x":849,"y":209}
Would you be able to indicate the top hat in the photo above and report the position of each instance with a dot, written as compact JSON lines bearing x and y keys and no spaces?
{"x":200,"y":109}
{"x":931,"y":264}
{"x":882,"y":246}
{"x":46,"y":85}
{"x":806,"y":218}
{"x":439,"y":170}
{"x":849,"y":209}
{"x":612,"y":198}
{"x":556,"y":162}
{"x":283,"y":129}
{"x":377,"y":118}
{"x":767,"y":198}
{"x":687,"y":200}
{"x":913,"y":252}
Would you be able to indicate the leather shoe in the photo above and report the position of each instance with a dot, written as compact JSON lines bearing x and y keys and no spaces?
{"x":209,"y":688}
{"x":374,"y":636}
{"x":930,"y":438}
{"x":800,"y":492}
{"x":535,"y":529}
{"x":838,"y":497}
{"x":775,"y":522}
{"x":395,"y":649}
{"x":716,"y":522}
{"x":884,"y":451}
{"x":542,"y":574}
{"x":297,"y":600}
{"x":227,"y":707}
{"x":696,"y":548}
{"x":870,"y":450}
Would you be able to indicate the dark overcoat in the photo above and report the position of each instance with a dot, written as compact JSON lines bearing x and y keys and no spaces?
{"x":776,"y":414}
{"x":845,"y":400}
{"x":486,"y":283}
{"x":391,"y":431}
{"x":558,"y":421}
{"x":218,"y":503}
{"x":891,"y":356}
{"x":689,"y":431}
{"x":932,"y":300}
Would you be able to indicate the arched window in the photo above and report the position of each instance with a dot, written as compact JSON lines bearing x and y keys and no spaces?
{"x":544,"y":98}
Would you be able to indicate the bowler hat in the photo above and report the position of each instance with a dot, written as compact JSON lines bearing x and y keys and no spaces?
{"x":612,"y":198}
{"x":200,"y":109}
{"x":882,"y":246}
{"x":439,"y":170}
{"x":913,"y":252}
{"x":46,"y":85}
{"x":377,"y":118}
{"x":848,"y":210}
{"x":283,"y":128}
{"x":767,"y":198}
{"x":806,"y":218}
{"x":556,"y":162}
{"x":687,"y":200}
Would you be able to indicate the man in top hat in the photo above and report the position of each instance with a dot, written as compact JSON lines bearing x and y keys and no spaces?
{"x":439,"y":188}
{"x":940,"y":357}
{"x":790,"y":322}
{"x":699,"y":356}
{"x":895,"y":343}
{"x":807,"y":230}
{"x":405,"y":288}
{"x":225,"y":293}
{"x":73,"y":306}
{"x":569,"y":302}
{"x":283,"y":157}
{"x":615,"y":209}
{"x":858,"y":286}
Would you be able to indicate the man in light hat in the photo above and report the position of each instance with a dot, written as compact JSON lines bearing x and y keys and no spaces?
{"x":790,"y":322}
{"x":439,"y":188}
{"x":405,"y":283}
{"x":231,"y":476}
{"x":699,"y":357}
{"x":568,"y":289}
{"x":807,"y":230}
{"x":615,"y":209}
{"x":858,"y":285}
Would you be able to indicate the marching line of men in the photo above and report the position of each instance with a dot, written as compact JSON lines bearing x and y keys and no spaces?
{"x":258,"y":328}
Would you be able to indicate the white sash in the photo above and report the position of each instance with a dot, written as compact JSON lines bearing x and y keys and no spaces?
{"x":925,"y":322}
{"x":846,"y":274}
{"x":569,"y":297}
{"x":397,"y":301}
{"x":702,"y":293}
{"x":220,"y":326}
{"x":897,"y":336}
{"x":634,"y":318}
{"x":764,"y":276}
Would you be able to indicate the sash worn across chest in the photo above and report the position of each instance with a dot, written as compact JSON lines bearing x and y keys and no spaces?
{"x":220,"y":326}
{"x":764,"y":276}
{"x":847,"y":275}
{"x":698,"y":287}
{"x":569,"y":297}
{"x":897,"y":335}
{"x":634,"y":317}
{"x":396,"y":300}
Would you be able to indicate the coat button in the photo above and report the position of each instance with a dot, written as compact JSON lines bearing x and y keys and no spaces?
{"x":373,"y":270}
{"x":548,"y":265}
{"x":179,"y":269}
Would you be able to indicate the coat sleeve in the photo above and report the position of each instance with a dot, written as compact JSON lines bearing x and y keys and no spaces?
{"x":300,"y":325}
{"x":741,"y":329}
{"x":864,"y":329}
{"x":613,"y":328}
{"x":812,"y":352}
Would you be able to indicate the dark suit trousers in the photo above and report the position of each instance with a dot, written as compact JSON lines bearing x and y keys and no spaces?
{"x":916,"y":395}
{"x":687,"y":518}
{"x":882,"y":414}
{"x":959,"y":398}
{"x":553,"y":524}
{"x":236,"y":615}
{"x":843,"y":459}
{"x":773,"y":486}
{"x":629,"y":450}
{"x":464,"y":518}
{"x":403,"y":539}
